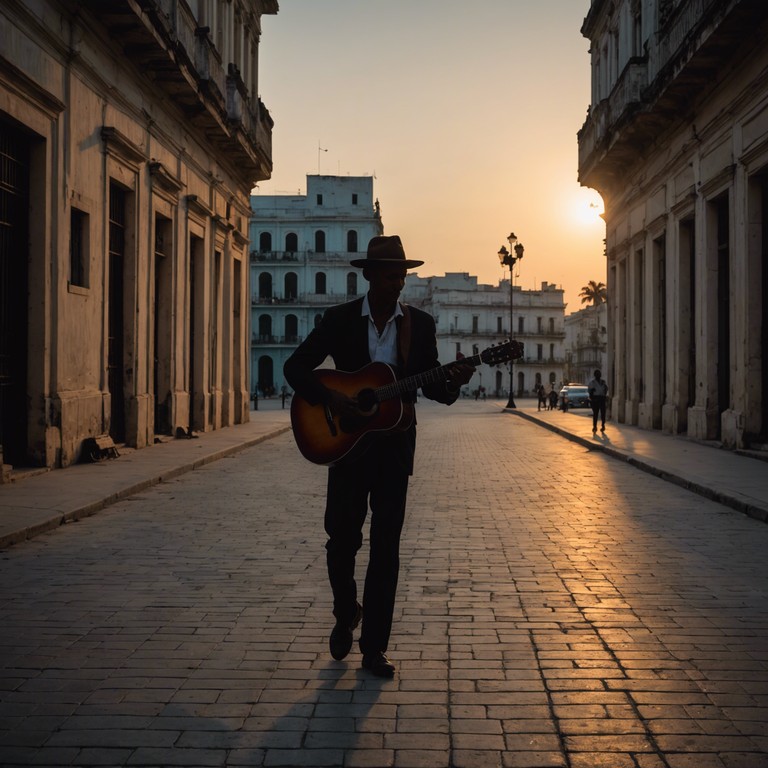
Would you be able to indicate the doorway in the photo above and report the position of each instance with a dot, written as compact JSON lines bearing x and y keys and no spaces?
{"x":116,"y":329}
{"x":14,"y":280}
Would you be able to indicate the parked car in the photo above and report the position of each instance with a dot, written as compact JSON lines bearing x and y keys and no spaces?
{"x":577,"y":395}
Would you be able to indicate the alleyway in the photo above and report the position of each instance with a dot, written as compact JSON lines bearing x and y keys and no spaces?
{"x":557,"y":608}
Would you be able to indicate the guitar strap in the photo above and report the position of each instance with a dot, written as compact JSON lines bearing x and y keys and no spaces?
{"x":404,"y":338}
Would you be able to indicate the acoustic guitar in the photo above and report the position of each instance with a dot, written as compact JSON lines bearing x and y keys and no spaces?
{"x":326,"y":438}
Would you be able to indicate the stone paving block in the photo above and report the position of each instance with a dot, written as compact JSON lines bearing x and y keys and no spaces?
{"x":534,"y":760}
{"x":422,"y":758}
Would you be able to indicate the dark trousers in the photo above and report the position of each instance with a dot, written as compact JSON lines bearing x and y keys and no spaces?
{"x":378,"y":478}
{"x":598,"y":409}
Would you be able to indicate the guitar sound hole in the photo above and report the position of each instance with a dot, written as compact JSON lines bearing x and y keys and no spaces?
{"x":368,"y":405}
{"x":366,"y":401}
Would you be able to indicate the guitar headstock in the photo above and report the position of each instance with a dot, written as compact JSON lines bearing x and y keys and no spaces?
{"x":501,"y":353}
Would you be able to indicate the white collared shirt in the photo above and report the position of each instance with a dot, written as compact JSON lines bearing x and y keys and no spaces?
{"x":382,"y":348}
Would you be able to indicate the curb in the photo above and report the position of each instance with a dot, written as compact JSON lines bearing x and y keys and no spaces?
{"x":57,"y":519}
{"x":721,"y":497}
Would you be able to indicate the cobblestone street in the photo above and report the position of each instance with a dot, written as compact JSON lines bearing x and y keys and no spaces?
{"x":557,"y":608}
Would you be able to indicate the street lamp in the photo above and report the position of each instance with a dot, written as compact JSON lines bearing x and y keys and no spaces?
{"x":507,"y":259}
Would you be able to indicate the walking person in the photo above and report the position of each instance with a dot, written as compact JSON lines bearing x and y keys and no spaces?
{"x":553,"y":399}
{"x":377,"y":327}
{"x":598,"y":396}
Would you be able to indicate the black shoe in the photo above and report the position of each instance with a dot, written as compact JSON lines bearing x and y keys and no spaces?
{"x":340,"y":642}
{"x":378,"y":664}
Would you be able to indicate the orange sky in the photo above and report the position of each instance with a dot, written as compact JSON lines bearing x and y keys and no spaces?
{"x":465,"y":113}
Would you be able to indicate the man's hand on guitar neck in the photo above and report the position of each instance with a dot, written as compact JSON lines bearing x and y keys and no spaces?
{"x":459,"y":373}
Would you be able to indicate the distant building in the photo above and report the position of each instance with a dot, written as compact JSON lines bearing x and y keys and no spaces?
{"x":131,"y":135}
{"x":676,"y":142}
{"x":586,"y":335}
{"x":472,"y":317}
{"x":301,"y":246}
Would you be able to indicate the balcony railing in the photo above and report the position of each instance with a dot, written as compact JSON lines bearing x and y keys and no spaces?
{"x":258,"y":340}
{"x":625,"y":99}
{"x":163,"y":40}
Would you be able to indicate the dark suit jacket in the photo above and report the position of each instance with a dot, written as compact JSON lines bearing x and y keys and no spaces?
{"x":343,"y":334}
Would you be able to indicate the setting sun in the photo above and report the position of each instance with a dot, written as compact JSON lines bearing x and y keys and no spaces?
{"x":587,"y":207}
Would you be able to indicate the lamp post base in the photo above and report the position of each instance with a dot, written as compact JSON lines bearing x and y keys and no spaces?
{"x":510,"y":403}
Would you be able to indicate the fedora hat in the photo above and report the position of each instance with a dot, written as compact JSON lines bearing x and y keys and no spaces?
{"x":386,"y":251}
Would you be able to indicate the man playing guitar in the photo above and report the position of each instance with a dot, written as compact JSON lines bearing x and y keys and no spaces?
{"x":375,"y":328}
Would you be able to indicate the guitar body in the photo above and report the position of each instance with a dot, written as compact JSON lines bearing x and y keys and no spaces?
{"x":326,"y":439}
{"x":322,"y":443}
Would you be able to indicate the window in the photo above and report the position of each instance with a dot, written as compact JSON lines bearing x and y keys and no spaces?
{"x":539,"y":324}
{"x":352,"y":241}
{"x":539,"y":351}
{"x":475,"y":323}
{"x":458,"y":350}
{"x":352,"y":284}
{"x":551,"y":324}
{"x":78,"y":248}
{"x":551,"y":351}
{"x":319,"y":199}
{"x":520,"y":324}
{"x":320,"y":241}
{"x":320,"y":282}
{"x":265,"y":285}
{"x":265,"y":242}
{"x":291,"y":290}
{"x":354,"y":198}
{"x":291,"y":242}
{"x":499,"y":325}
{"x":265,"y":329}
{"x":291,"y":329}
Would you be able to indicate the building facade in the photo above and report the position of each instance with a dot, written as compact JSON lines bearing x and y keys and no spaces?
{"x":586,"y":336}
{"x":301,"y":246}
{"x":131,"y":135}
{"x":676,"y":142}
{"x":471,"y":317}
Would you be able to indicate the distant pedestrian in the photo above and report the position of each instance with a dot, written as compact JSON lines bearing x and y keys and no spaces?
{"x":542,"y":396}
{"x":552,"y":399}
{"x":598,"y":396}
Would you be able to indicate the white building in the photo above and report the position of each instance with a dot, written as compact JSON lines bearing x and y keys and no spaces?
{"x":472,"y":317}
{"x":131,"y":135}
{"x":676,"y":142}
{"x":301,"y":246}
{"x":586,"y":335}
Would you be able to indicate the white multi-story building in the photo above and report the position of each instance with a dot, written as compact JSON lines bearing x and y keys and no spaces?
{"x":131,"y":134}
{"x":676,"y":142}
{"x":301,"y":246}
{"x":586,"y":334}
{"x":471,"y":317}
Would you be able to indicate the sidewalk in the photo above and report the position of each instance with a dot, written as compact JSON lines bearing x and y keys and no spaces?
{"x":737,"y":481}
{"x":40,"y":502}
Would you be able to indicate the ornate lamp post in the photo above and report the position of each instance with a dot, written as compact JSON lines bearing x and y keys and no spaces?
{"x":507,"y":259}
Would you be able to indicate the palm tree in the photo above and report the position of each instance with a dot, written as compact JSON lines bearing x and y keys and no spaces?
{"x":593,"y":293}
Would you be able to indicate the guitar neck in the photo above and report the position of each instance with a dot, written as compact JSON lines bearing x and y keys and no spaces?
{"x":412,"y":383}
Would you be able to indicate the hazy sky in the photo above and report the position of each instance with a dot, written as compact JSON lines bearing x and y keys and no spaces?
{"x":465,"y":113}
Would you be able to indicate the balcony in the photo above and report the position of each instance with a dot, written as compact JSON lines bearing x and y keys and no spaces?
{"x":266,"y":340}
{"x":271,"y":257}
{"x":305,"y":299}
{"x":162,"y":40}
{"x":685,"y":57}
